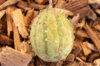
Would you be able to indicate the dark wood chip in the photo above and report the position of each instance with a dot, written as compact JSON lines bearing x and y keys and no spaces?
{"x":5,"y":40}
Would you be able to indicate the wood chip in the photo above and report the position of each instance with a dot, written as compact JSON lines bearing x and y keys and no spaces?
{"x":26,"y":48}
{"x":2,"y":13}
{"x":77,"y":49}
{"x":97,"y":62}
{"x":75,"y":19}
{"x":97,"y":33}
{"x":75,"y":63}
{"x":31,"y":64}
{"x":81,"y":24}
{"x":97,"y":27}
{"x":9,"y":21}
{"x":82,"y":33}
{"x":70,"y":57}
{"x":91,"y":47}
{"x":93,"y":36}
{"x":17,"y":39}
{"x":78,"y":7}
{"x":11,"y":57}
{"x":86,"y":50}
{"x":75,"y":5}
{"x":60,"y":3}
{"x":8,"y":3}
{"x":19,"y":22}
{"x":94,"y":1}
{"x":93,"y":56}
{"x":79,"y":59}
{"x":23,"y":5}
{"x":3,"y":27}
{"x":37,"y":6}
{"x":59,"y":63}
{"x":92,"y":15}
{"x":83,"y":58}
{"x":2,"y":1}
{"x":98,"y":11}
{"x":41,"y":1}
{"x":29,"y":17}
{"x":83,"y":12}
{"x":85,"y":64}
{"x":5,"y":40}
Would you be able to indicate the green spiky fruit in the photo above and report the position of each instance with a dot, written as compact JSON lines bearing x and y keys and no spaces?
{"x":52,"y":35}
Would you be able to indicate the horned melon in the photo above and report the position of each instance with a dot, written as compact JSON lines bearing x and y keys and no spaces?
{"x":52,"y":35}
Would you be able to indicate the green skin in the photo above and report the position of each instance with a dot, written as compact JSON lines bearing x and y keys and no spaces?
{"x":52,"y":35}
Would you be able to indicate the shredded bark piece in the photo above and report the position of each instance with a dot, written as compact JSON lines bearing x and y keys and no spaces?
{"x":79,"y":59}
{"x":17,"y":39}
{"x":86,"y":50}
{"x":92,"y":15}
{"x":37,"y":6}
{"x":85,"y":64}
{"x":70,"y":57}
{"x":75,"y":5}
{"x":5,"y":40}
{"x":9,"y":21}
{"x":97,"y":27}
{"x":25,"y":48}
{"x":11,"y":57}
{"x":91,"y":47}
{"x":75,"y":19}
{"x":94,"y":2}
{"x":2,"y":1}
{"x":97,"y":33}
{"x":77,"y":50}
{"x":19,"y":22}
{"x":97,"y":62}
{"x":93,"y":36}
{"x":82,"y":33}
{"x":83,"y":11}
{"x":41,"y":1}
{"x":23,"y":5}
{"x":60,"y":3}
{"x":93,"y":56}
{"x":29,"y":17}
{"x":82,"y":23}
{"x":3,"y":27}
{"x":8,"y":3}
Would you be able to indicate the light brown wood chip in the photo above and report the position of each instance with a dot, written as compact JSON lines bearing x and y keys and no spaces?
{"x":8,"y":3}
{"x":9,"y":21}
{"x":86,"y":50}
{"x":82,"y":33}
{"x":29,"y":17}
{"x":11,"y":57}
{"x":17,"y":39}
{"x":19,"y":22}
{"x":93,"y":36}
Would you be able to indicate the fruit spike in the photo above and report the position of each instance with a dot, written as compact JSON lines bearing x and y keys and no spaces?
{"x":52,"y":35}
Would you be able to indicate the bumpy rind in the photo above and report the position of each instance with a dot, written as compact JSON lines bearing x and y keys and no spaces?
{"x":52,"y":35}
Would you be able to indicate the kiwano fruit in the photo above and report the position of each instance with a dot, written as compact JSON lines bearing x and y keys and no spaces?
{"x":52,"y":35}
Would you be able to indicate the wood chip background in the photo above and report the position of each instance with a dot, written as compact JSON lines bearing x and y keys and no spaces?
{"x":15,"y":21}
